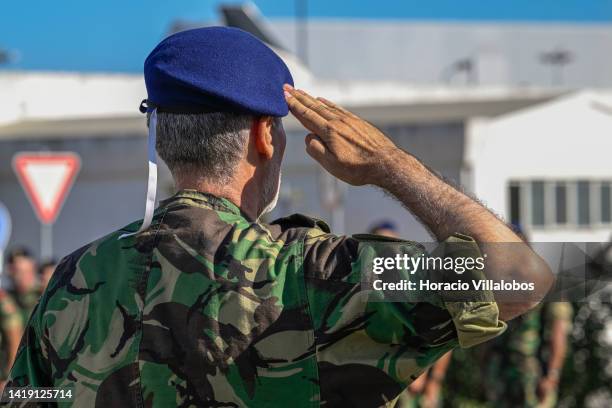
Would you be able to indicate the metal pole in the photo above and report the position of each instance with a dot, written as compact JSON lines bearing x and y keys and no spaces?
{"x":338,"y":220}
{"x":46,"y":241}
{"x":301,"y":29}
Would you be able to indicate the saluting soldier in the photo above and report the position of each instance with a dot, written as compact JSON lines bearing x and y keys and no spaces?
{"x":202,"y":304}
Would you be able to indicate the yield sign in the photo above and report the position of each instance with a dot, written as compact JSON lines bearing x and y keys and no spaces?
{"x":46,"y":178}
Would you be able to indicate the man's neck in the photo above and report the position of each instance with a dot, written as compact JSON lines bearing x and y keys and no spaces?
{"x":240,"y":194}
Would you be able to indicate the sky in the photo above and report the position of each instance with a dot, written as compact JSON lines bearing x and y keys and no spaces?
{"x":117,"y":35}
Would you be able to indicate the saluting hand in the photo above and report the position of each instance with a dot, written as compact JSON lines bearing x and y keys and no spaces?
{"x":347,"y":146}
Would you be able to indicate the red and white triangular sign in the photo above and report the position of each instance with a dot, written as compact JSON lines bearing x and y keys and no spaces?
{"x":46,"y":178}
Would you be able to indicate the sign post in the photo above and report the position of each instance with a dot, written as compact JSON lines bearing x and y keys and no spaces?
{"x":5,"y":235}
{"x":46,"y":178}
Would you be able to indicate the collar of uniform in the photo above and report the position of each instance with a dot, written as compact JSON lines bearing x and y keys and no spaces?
{"x":217,"y":203}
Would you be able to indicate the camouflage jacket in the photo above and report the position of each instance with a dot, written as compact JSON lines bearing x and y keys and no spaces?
{"x":26,"y":301}
{"x":10,"y":320}
{"x":207,"y":308}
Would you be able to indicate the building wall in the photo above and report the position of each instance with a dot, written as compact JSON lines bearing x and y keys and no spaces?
{"x":566,"y":141}
{"x":424,"y":52}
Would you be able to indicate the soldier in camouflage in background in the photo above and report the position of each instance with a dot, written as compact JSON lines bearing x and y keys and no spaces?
{"x":11,"y":329}
{"x":207,"y":306}
{"x":22,"y":271}
{"x":523,"y":367}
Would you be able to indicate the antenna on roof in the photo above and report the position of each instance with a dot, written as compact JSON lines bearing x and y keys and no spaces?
{"x":557,"y":59}
{"x":248,"y":18}
{"x":463,"y":65}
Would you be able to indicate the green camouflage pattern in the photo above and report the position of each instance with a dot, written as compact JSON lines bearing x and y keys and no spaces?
{"x":10,"y":319}
{"x":26,"y":301}
{"x":209,"y":309}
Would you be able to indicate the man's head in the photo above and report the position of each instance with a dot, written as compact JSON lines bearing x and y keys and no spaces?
{"x":21,"y":269}
{"x":45,"y":272}
{"x":219,"y":150}
{"x":217,"y":93}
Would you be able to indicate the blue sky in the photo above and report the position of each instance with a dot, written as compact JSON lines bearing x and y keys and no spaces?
{"x":116,"y":35}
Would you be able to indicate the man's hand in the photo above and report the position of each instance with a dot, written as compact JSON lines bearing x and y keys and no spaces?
{"x":546,"y":386}
{"x":431,"y":394}
{"x":347,"y":146}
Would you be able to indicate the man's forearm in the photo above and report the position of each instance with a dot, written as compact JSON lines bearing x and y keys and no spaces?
{"x":558,"y":346}
{"x":444,"y":210}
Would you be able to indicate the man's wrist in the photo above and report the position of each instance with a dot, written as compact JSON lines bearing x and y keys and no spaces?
{"x":390,"y":162}
{"x":553,"y":375}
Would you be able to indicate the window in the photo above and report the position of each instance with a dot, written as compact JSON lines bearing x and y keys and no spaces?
{"x":584,"y":202}
{"x":561,"y":203}
{"x":606,"y":196}
{"x":537,"y":203}
{"x":515,"y":204}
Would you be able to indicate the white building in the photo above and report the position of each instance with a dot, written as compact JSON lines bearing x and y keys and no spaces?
{"x":547,"y":167}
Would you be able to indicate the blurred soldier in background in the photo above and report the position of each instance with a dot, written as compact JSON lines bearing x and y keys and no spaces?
{"x":202,"y":304}
{"x":11,"y":329}
{"x":45,"y":271}
{"x":557,"y":324}
{"x":425,"y":391}
{"x":523,"y":367}
{"x":22,"y":271}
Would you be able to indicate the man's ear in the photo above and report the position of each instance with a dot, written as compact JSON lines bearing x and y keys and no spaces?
{"x":261,"y":129}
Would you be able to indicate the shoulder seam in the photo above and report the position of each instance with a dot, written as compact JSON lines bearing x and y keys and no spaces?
{"x":313,"y":339}
{"x":144,"y":281}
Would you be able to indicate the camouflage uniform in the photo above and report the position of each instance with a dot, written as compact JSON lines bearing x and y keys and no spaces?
{"x":26,"y":302}
{"x":10,"y":319}
{"x":207,"y":308}
{"x":513,"y":362}
{"x":552,"y":312}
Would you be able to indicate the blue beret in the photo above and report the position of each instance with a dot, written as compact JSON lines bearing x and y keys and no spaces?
{"x":216,"y":69}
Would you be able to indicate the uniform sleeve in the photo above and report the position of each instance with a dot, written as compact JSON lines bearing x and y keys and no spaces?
{"x":338,"y":269}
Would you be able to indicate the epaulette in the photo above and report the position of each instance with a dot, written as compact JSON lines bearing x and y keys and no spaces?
{"x":301,"y":220}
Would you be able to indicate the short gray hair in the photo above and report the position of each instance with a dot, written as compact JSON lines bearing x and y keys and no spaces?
{"x":210,"y":143}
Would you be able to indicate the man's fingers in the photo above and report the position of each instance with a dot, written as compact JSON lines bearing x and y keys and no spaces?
{"x":316,"y":105}
{"x":315,"y":147}
{"x":336,"y":108}
{"x":307,"y":117}
{"x":310,"y":102}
